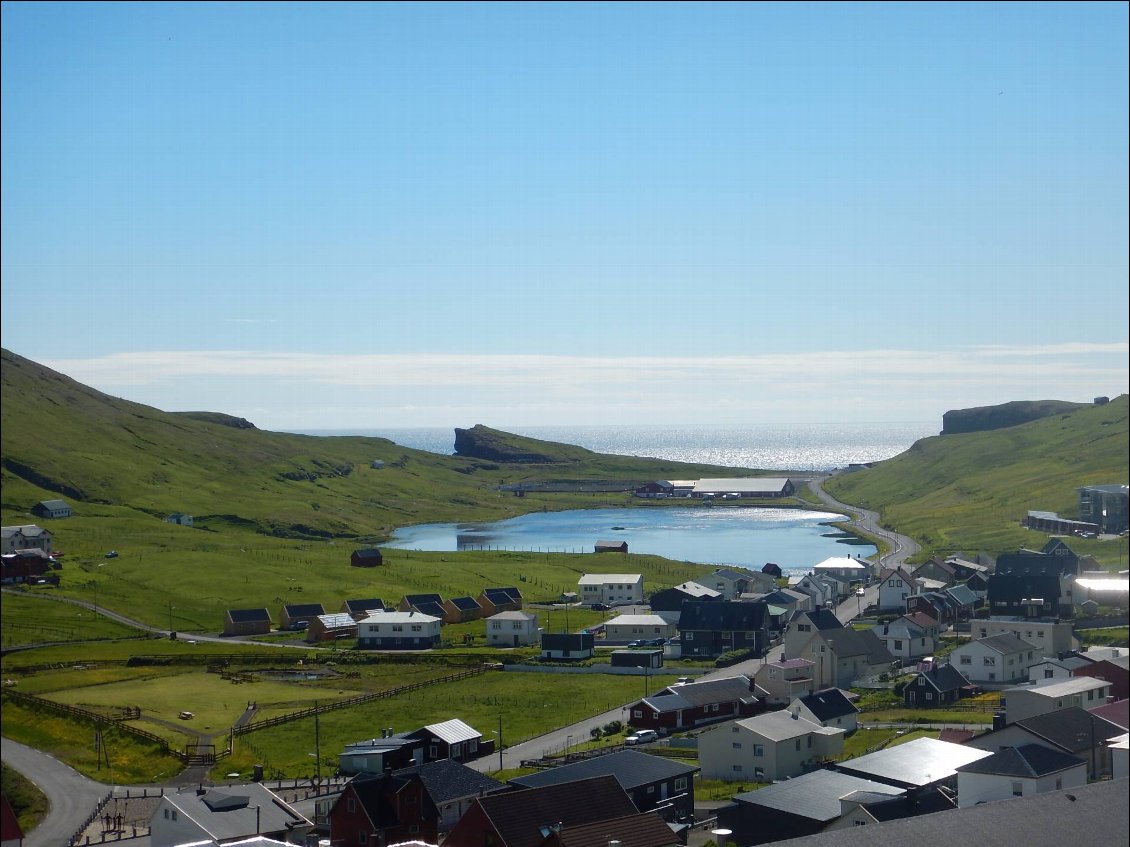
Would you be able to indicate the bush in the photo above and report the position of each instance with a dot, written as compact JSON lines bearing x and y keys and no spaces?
{"x":733,"y":657}
{"x":613,"y":727}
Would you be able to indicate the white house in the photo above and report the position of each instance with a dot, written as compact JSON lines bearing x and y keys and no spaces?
{"x":1018,"y":772}
{"x":611,"y":588}
{"x":227,"y":814}
{"x":624,"y":628}
{"x":398,"y":631}
{"x":895,"y":585}
{"x":26,"y":537}
{"x":997,"y":661}
{"x":910,"y":636}
{"x":830,"y":707}
{"x":844,"y":568}
{"x":1053,"y":667}
{"x":1120,"y":756}
{"x":1040,"y":698}
{"x":767,"y":747}
{"x":512,"y":629}
{"x":1051,"y":636}
{"x":785,"y":680}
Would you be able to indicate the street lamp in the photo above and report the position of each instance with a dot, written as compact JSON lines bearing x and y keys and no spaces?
{"x":499,"y":734}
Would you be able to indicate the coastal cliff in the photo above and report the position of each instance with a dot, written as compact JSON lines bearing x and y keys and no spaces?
{"x":984,"y":418}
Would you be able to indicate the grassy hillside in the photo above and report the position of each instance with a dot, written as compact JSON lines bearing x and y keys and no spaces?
{"x":60,"y":438}
{"x":970,"y":491}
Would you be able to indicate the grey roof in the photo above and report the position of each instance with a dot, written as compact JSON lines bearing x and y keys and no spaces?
{"x":854,"y":642}
{"x":448,"y":780}
{"x":631,"y":768}
{"x":337,"y":620}
{"x":829,"y":703}
{"x":453,"y":731}
{"x":243,"y":810}
{"x":299,"y":609}
{"x":1072,"y":729}
{"x":1027,"y":760}
{"x":1006,"y":643}
{"x":249,"y":615}
{"x":920,"y":762}
{"x":714,"y":691}
{"x":416,"y":599}
{"x":823,"y":619}
{"x":436,"y":610}
{"x":1094,"y":815}
{"x":814,"y":795}
{"x":945,"y":678}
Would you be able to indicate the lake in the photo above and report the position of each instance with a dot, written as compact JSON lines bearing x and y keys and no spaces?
{"x":795,"y":539}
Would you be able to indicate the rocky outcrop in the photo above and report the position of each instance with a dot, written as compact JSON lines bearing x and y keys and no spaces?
{"x":1018,"y":412}
{"x":218,"y":418}
{"x":481,"y":442}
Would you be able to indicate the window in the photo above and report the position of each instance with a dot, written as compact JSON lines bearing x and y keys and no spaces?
{"x":921,"y":680}
{"x":929,"y":696}
{"x":759,"y":773}
{"x":898,"y":644}
{"x":758,"y":750}
{"x":397,"y":627}
{"x":989,"y":661}
{"x":681,"y":784}
{"x":651,"y":789}
{"x":736,"y":768}
{"x":860,"y":823}
{"x":351,"y":805}
{"x":734,"y":728}
{"x":798,"y":744}
{"x":737,"y":745}
{"x":1048,"y":673}
{"x":638,"y":713}
{"x":966,"y":660}
{"x":688,"y":636}
{"x":417,"y":627}
{"x":1017,"y":789}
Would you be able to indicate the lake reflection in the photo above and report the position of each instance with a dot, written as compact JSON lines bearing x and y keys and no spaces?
{"x":795,"y":539}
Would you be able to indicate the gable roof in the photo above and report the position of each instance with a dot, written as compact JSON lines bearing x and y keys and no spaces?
{"x":945,"y":678}
{"x":436,"y":610}
{"x":631,"y":768}
{"x":1027,"y":760}
{"x":299,"y":609}
{"x":714,"y":690}
{"x":1072,"y":729}
{"x":1118,"y":713}
{"x":854,"y":642}
{"x":781,"y":726}
{"x":823,"y":619}
{"x":374,"y":791}
{"x":519,"y":816}
{"x":715,"y":616}
{"x":646,"y":829}
{"x":241,"y":810}
{"x":829,"y":703}
{"x":249,"y":615}
{"x":357,"y":607}
{"x":452,"y":731}
{"x":448,"y":780}
{"x":814,"y":795}
{"x":417,"y":599}
{"x":368,"y":553}
{"x":1005,"y":643}
{"x":500,"y":596}
{"x":465,"y":604}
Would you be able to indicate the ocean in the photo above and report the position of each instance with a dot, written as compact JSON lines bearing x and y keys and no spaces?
{"x":798,"y":447}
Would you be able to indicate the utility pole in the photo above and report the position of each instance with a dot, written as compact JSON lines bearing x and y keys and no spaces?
{"x":500,"y":742}
{"x":317,"y":745}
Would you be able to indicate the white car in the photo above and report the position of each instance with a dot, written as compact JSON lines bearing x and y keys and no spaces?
{"x":642,"y":736}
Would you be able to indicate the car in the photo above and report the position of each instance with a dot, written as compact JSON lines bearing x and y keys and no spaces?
{"x":641,"y":736}
{"x":657,"y":642}
{"x":599,"y":607}
{"x":111,"y":554}
{"x":859,"y":592}
{"x":639,"y":642}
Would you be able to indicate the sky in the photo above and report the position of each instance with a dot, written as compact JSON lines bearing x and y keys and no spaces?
{"x":356,"y":216}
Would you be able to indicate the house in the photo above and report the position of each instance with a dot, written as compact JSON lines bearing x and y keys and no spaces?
{"x":967,"y":600}
{"x":936,"y":685}
{"x":792,"y":601}
{"x":366,"y":557}
{"x":453,"y":788}
{"x":527,"y":817}
{"x":1105,"y":505}
{"x":671,"y":599}
{"x":11,"y":835}
{"x":461,"y":610}
{"x":687,"y":705}
{"x":1094,"y":815}
{"x":1035,"y":584}
{"x":996,"y":661}
{"x":784,"y":680}
{"x":362,"y":608}
{"x":646,"y":829}
{"x":610,"y":588}
{"x":26,"y":537}
{"x":842,"y":655}
{"x":914,"y":766}
{"x":228,"y":814}
{"x":1116,"y":671}
{"x":247,"y":622}
{"x":937,"y":604}
{"x":567,"y":645}
{"x":1056,"y":667}
{"x":625,"y":628}
{"x":909,"y":636}
{"x":1039,"y":698}
{"x":495,"y":600}
{"x":824,"y":590}
{"x":713,"y":628}
{"x":637,"y":658}
{"x":830,"y":707}
{"x":1118,"y":713}
{"x":654,"y":783}
{"x":742,"y":488}
{"x":657,"y":489}
{"x":398,"y":631}
{"x":845,"y":569}
{"x":52,"y":509}
{"x":299,"y":615}
{"x":25,"y":565}
{"x":1073,"y":730}
{"x":938,"y":569}
{"x":377,"y":755}
{"x":610,"y":546}
{"x":179,"y":518}
{"x":512,"y":629}
{"x":331,"y":627}
{"x":1018,"y":772}
{"x":424,"y":604}
{"x":1051,"y":635}
{"x":731,"y":583}
{"x":451,"y":739}
{"x":387,"y":808}
{"x":895,"y":585}
{"x":766,"y":747}
{"x":793,"y":808}
{"x":1120,"y":756}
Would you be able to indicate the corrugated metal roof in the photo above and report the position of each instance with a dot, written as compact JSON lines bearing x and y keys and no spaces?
{"x":453,"y":731}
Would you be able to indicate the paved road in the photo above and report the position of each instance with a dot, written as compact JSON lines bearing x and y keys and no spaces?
{"x":902,"y":548}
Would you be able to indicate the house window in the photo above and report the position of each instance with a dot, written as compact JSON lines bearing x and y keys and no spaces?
{"x":966,"y":660}
{"x":734,"y":728}
{"x":638,"y":713}
{"x":362,"y":837}
{"x":759,"y":773}
{"x":921,"y":680}
{"x":1017,"y":789}
{"x":1048,"y":673}
{"x":688,"y":636}
{"x":681,"y":784}
{"x":758,"y":750}
{"x":737,"y":768}
{"x":898,"y":644}
{"x":351,"y":805}
{"x":929,"y":696}
{"x":989,"y":661}
{"x":651,"y":789}
{"x":417,"y":628}
{"x":798,"y":744}
{"x":1058,"y":783}
{"x":737,"y":745}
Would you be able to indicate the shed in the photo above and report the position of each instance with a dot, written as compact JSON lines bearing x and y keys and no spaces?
{"x":611,"y":546}
{"x":638,"y":658}
{"x":52,"y":509}
{"x":367,"y":557}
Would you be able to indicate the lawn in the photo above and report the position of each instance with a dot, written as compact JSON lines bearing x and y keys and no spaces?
{"x":33,"y":617}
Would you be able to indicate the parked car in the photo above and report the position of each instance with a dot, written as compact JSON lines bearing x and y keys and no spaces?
{"x":657,"y":642}
{"x":642,"y":736}
{"x":639,"y":642}
{"x":111,"y":554}
{"x":599,"y":607}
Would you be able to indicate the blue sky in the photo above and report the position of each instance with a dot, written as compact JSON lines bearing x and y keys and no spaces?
{"x":382,"y":215}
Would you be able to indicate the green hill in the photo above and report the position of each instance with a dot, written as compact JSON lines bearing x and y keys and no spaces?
{"x":970,"y":491}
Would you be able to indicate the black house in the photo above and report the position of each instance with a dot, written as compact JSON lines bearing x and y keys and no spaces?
{"x":714,"y":628}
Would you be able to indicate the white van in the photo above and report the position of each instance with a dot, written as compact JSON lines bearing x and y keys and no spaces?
{"x":642,"y":736}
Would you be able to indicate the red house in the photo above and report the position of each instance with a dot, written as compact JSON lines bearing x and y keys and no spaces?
{"x":1115,"y":671}
{"x":692,"y":704}
{"x":384,"y":809}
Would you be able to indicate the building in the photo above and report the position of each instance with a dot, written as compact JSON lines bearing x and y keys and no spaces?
{"x":224,"y":815}
{"x":512,"y":629}
{"x":461,"y":610}
{"x":610,"y":546}
{"x":1018,"y":772}
{"x":895,"y":585}
{"x":995,"y":662}
{"x":333,"y":627}
{"x":26,"y":537}
{"x":830,"y":707}
{"x":453,"y":788}
{"x":625,"y":628}
{"x":495,"y":600}
{"x":910,"y":636}
{"x":52,"y":509}
{"x":741,"y":488}
{"x":654,"y":783}
{"x":1039,"y":698}
{"x":247,"y":622}
{"x":671,"y":599}
{"x":362,"y":608}
{"x":1051,"y":636}
{"x":299,"y":615}
{"x":398,"y":631}
{"x":914,"y":766}
{"x":451,"y":739}
{"x":423,"y":604}
{"x":715,"y":627}
{"x":936,"y":685}
{"x":376,"y":755}
{"x":687,"y":705}
{"x":385,"y":808}
{"x":568,"y":646}
{"x":845,"y":569}
{"x":610,"y":588}
{"x":366,"y":557}
{"x":766,"y":747}
{"x":785,"y":680}
{"x":1105,"y":505}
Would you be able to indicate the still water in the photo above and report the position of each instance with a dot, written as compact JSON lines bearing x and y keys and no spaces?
{"x":795,"y":539}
